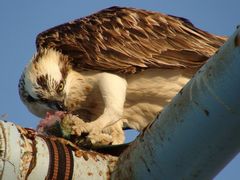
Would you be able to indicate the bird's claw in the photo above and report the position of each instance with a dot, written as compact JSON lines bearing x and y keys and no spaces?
{"x":95,"y":135}
{"x":100,"y":139}
{"x":94,"y":132}
{"x":80,"y":128}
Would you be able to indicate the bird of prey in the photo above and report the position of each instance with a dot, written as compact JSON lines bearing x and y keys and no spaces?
{"x":116,"y":68}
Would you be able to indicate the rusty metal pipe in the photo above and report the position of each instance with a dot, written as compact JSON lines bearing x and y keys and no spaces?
{"x":198,"y":133}
{"x":25,"y":155}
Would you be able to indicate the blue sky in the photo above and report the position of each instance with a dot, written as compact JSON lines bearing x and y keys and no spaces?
{"x":21,"y":21}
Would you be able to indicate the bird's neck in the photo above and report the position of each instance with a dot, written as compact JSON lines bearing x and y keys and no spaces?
{"x":79,"y":80}
{"x":79,"y":87}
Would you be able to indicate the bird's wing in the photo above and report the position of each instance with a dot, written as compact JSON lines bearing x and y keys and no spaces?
{"x":129,"y":40}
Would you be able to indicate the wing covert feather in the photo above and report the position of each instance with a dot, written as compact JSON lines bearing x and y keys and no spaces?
{"x":128,"y":40}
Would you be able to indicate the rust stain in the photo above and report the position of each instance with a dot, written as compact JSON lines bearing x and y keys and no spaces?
{"x":29,"y":156}
{"x":206,"y":112}
{"x":237,"y":40}
{"x":90,"y":154}
{"x":33,"y":161}
{"x":90,"y":174}
{"x":80,"y":153}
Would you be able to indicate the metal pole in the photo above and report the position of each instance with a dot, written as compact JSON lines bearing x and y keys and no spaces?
{"x":24,"y":155}
{"x":198,"y":133}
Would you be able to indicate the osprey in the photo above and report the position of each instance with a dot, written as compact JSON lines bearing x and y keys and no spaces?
{"x":116,"y":68}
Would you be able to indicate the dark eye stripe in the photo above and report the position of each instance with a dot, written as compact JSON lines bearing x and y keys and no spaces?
{"x":41,"y":100}
{"x":31,"y":99}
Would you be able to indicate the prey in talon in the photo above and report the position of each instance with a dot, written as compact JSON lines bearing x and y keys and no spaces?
{"x":63,"y":124}
{"x":111,"y":70}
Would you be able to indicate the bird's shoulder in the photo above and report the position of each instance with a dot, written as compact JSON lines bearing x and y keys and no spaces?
{"x":129,"y":40}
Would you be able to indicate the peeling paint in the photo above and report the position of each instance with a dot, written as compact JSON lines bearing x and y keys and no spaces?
{"x":34,"y":156}
{"x":11,"y":153}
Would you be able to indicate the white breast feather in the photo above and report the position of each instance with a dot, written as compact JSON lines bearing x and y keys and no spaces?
{"x":147,"y":94}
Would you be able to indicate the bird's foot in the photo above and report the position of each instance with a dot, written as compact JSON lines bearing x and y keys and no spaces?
{"x":100,"y":139}
{"x":117,"y":133}
{"x":94,"y":132}
{"x":95,"y":136}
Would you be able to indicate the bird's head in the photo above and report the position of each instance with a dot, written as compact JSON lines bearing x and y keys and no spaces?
{"x":42,"y":86}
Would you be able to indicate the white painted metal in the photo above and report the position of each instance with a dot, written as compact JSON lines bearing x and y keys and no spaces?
{"x":14,"y":161}
{"x":10,"y":151}
{"x":42,"y":161}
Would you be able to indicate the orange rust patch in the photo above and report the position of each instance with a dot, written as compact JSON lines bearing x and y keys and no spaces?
{"x":89,"y":154}
{"x":237,"y":40}
{"x":80,"y":153}
{"x":90,"y":173}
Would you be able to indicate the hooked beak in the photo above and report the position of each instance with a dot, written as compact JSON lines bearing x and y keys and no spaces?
{"x":57,"y":105}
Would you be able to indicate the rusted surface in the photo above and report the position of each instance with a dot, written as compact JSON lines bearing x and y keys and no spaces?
{"x":93,"y":165}
{"x":41,"y":160}
{"x":237,"y":39}
{"x":26,"y":157}
{"x":10,"y":151}
{"x":28,"y":152}
{"x":32,"y":159}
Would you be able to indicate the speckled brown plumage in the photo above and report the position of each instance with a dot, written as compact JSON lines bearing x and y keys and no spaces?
{"x":128,"y":40}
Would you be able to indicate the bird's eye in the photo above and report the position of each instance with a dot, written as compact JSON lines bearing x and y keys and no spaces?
{"x":60,"y":86}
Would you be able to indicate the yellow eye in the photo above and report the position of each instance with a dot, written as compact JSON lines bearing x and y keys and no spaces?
{"x":60,"y":86}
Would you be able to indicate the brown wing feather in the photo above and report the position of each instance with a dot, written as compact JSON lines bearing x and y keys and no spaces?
{"x":130,"y":40}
